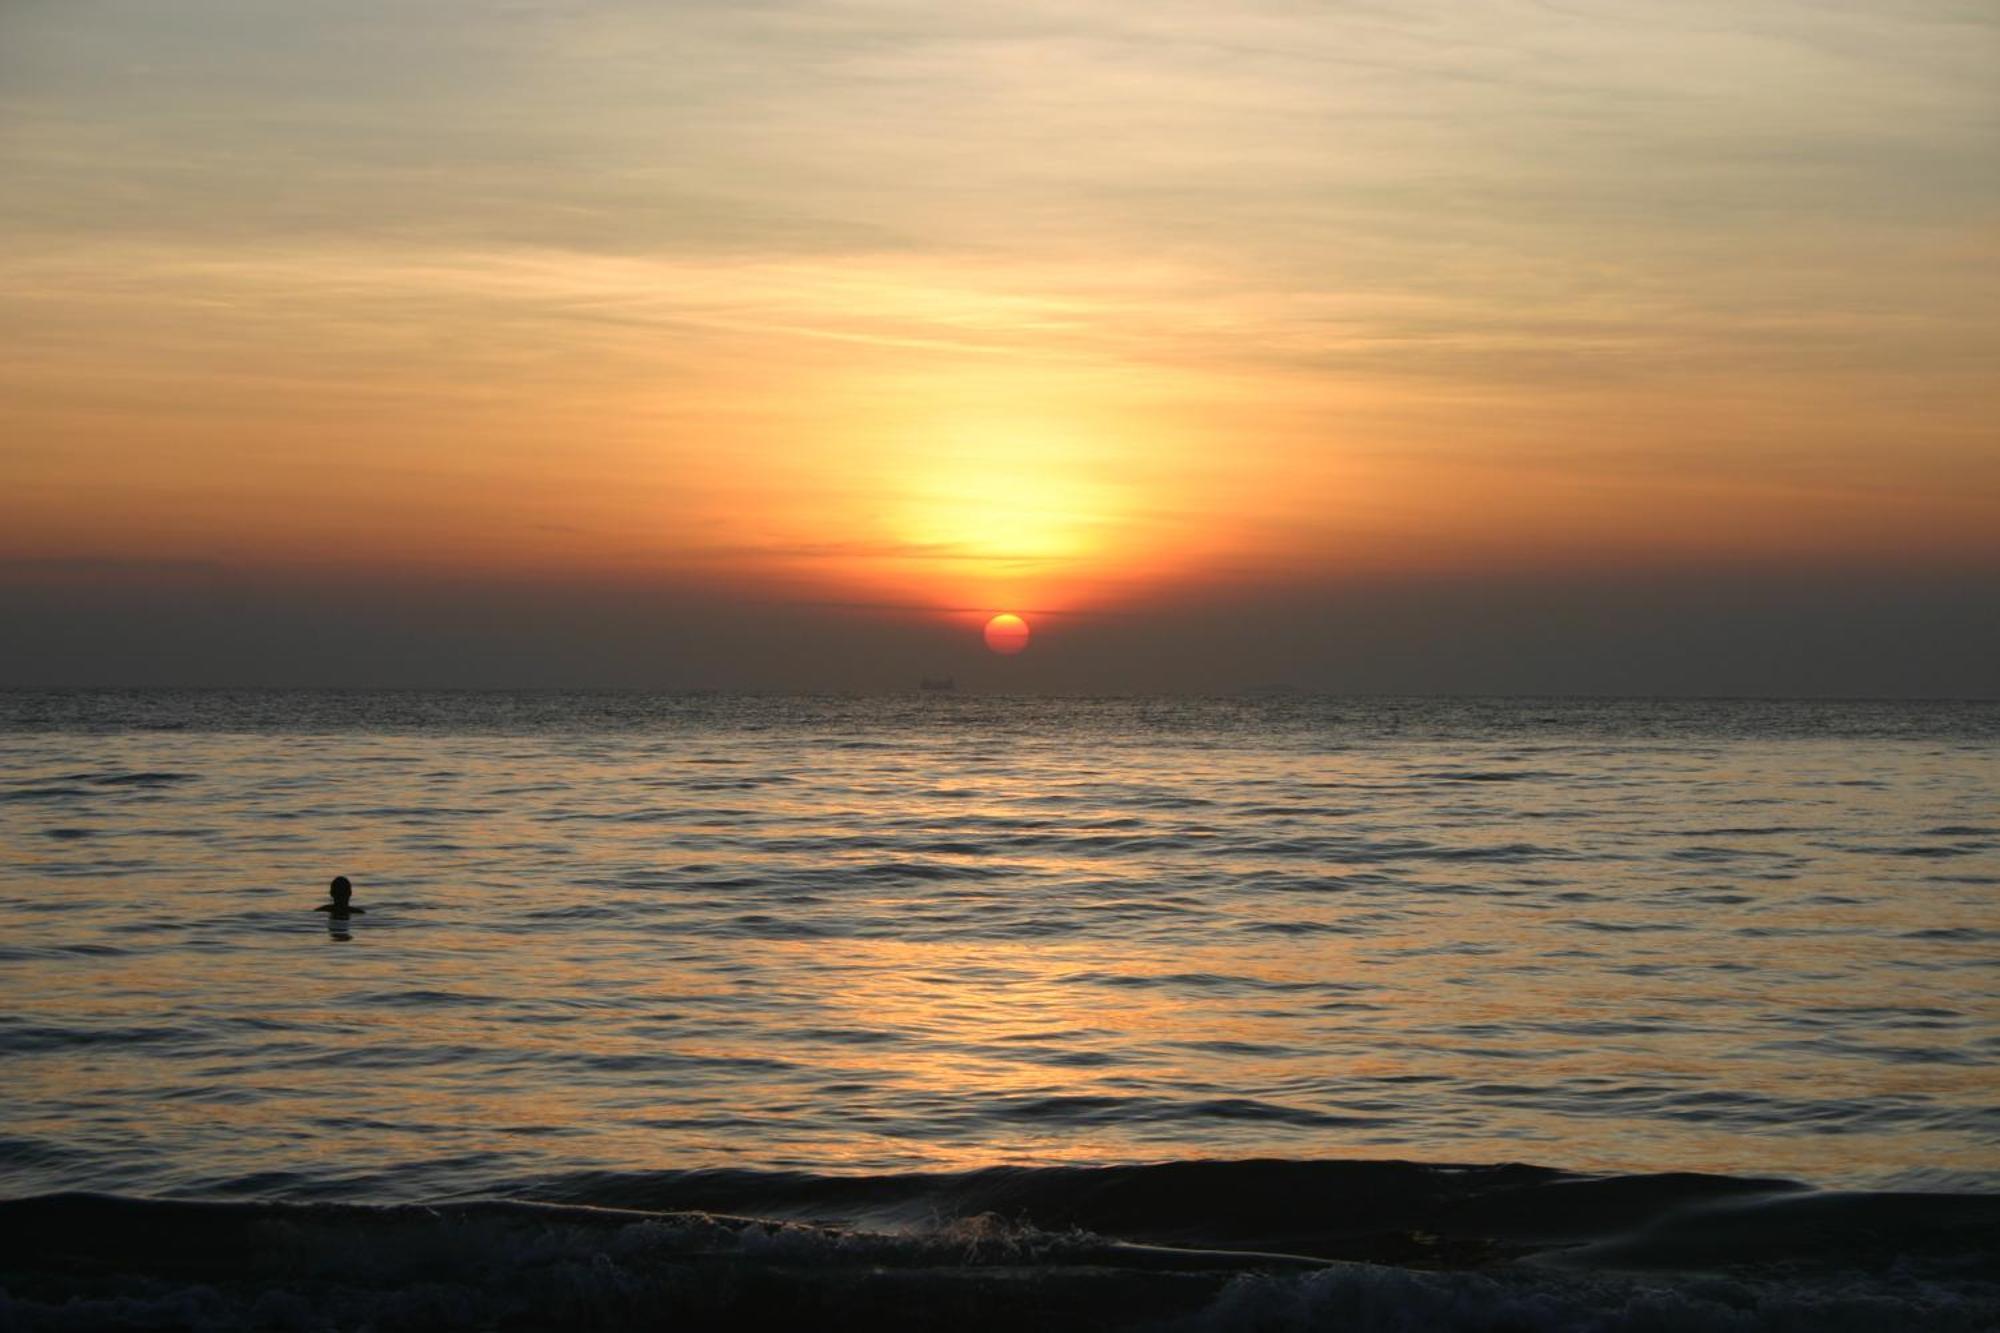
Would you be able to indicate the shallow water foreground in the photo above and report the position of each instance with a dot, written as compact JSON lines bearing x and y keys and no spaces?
{"x":1369,"y":1246}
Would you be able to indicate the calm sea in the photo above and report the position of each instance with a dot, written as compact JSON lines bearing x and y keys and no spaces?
{"x":623,"y":949}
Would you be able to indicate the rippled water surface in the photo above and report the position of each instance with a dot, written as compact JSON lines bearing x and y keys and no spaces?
{"x":626,"y":933}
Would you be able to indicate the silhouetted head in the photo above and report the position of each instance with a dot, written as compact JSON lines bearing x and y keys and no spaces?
{"x":341,"y":889}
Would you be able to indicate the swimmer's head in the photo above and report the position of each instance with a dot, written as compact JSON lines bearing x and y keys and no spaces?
{"x":340,"y":889}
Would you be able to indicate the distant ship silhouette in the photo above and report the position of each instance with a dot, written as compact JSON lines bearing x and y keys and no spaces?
{"x":939,"y":683}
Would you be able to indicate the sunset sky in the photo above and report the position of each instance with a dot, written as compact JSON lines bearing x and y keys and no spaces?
{"x":1465,"y":346}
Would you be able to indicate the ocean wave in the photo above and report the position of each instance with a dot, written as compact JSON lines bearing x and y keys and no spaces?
{"x":142,"y":779}
{"x":42,"y":793}
{"x":1179,"y":1246}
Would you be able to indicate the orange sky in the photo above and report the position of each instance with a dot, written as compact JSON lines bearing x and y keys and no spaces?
{"x":1038,"y":307}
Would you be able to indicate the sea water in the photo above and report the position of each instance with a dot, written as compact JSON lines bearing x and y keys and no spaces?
{"x":737,"y":953}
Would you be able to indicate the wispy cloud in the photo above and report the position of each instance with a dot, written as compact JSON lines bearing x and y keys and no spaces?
{"x":617,"y":285}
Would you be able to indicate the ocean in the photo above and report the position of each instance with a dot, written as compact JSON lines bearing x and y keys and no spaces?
{"x":1278,"y":1011}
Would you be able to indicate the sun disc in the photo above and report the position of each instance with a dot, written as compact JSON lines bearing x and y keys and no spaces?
{"x":1007,"y":633}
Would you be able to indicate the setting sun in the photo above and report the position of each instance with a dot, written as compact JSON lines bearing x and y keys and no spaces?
{"x":1007,"y":633}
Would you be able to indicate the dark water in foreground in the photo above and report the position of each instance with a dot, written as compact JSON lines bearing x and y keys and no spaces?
{"x":964,"y":998}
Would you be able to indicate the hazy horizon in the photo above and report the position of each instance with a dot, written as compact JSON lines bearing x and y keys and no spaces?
{"x":1606,"y":639}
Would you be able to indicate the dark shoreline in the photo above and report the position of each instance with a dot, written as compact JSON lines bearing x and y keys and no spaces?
{"x":1251,"y":1244}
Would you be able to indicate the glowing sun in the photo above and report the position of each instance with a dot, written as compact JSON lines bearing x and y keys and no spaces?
{"x":1007,"y":633}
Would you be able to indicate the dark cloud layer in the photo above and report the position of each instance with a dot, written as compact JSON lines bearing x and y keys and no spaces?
{"x":1683,"y":635}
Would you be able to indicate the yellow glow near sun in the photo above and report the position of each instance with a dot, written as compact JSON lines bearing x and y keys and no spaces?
{"x":1000,"y":486}
{"x":976,"y":492}
{"x":1009,"y":519}
{"x":986,"y":538}
{"x":1002,"y":513}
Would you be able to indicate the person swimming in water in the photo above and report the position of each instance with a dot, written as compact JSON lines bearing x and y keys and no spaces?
{"x":339,"y":907}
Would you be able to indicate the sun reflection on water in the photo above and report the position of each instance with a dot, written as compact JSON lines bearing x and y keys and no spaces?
{"x":878,"y":951}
